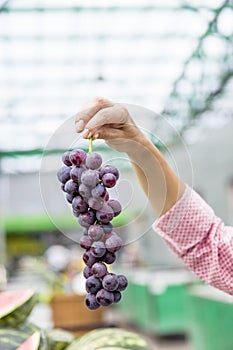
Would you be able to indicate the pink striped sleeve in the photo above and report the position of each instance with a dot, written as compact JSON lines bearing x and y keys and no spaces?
{"x":193,"y":231}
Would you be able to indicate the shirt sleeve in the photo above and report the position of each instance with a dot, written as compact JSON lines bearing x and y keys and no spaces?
{"x":200,"y":238}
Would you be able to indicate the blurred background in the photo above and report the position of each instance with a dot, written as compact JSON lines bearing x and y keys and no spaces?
{"x":174,"y":58}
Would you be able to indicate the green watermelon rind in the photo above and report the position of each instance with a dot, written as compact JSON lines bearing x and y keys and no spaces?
{"x":59,"y":339}
{"x":18,"y":336}
{"x":109,"y":338}
{"x":18,"y":316}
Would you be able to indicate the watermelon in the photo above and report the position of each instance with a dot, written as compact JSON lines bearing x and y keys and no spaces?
{"x":59,"y":339}
{"x":109,"y":339}
{"x":14,"y":337}
{"x":32,"y":343}
{"x":15,"y":306}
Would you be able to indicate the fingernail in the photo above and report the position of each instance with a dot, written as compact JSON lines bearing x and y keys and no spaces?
{"x":86,"y":133}
{"x":96,"y":136}
{"x":79,"y":126}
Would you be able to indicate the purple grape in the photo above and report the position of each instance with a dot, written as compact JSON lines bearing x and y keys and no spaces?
{"x":79,"y":204}
{"x":105,"y":214}
{"x":113,"y":243}
{"x":99,"y":269}
{"x":91,"y":302}
{"x":84,"y":191}
{"x":109,"y":257}
{"x":98,"y":249}
{"x":89,"y":259}
{"x":87,"y":271}
{"x":95,"y":232}
{"x":109,"y":169}
{"x":77,"y":156}
{"x":99,"y":191}
{"x":110,"y":282}
{"x":104,"y":297}
{"x":107,"y":227}
{"x":95,"y":203}
{"x":63,"y":174}
{"x":66,"y":158}
{"x":69,"y":198}
{"x":93,"y":284}
{"x":90,"y":178}
{"x":109,"y":180}
{"x":76,"y":173}
{"x":71,"y":187}
{"x":115,"y":205}
{"x":117,"y":296}
{"x":85,"y":242}
{"x":123,"y":282}
{"x":86,"y":219}
{"x":93,"y":161}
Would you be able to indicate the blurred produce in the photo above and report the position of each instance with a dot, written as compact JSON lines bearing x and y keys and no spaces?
{"x":110,"y":338}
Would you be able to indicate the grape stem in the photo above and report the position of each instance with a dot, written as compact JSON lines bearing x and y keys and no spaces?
{"x":90,"y":145}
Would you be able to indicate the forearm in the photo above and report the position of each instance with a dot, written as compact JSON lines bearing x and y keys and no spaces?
{"x":159,"y":182}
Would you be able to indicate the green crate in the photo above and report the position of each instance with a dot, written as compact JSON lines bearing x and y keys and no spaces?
{"x":168,"y":310}
{"x":211,"y":322}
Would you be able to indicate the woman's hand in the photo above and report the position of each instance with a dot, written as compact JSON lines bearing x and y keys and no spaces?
{"x":103,"y":119}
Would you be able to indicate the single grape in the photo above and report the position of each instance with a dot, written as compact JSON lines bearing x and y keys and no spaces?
{"x":71,"y":187}
{"x":123,"y":282}
{"x":113,"y":243}
{"x":107,"y":227}
{"x":89,"y":259}
{"x":99,"y":269}
{"x":63,"y":174}
{"x":93,"y":161}
{"x":76,"y":173}
{"x":84,"y":191}
{"x":99,"y":191}
{"x":95,"y":232}
{"x":109,"y":180}
{"x":104,"y":297}
{"x":93,"y":284}
{"x":77,"y":156}
{"x":91,"y":302}
{"x":90,"y":178}
{"x":98,"y":249}
{"x":66,"y":158}
{"x":95,"y":203}
{"x":110,"y":282}
{"x":79,"y":204}
{"x":117,"y":296}
{"x":105,"y":214}
{"x":115,"y":205}
{"x":109,"y":257}
{"x":109,"y":169}
{"x":85,"y":242}
{"x":69,"y":198}
{"x":86,"y":219}
{"x":87,"y":271}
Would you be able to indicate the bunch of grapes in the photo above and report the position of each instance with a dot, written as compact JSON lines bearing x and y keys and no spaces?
{"x":85,"y":181}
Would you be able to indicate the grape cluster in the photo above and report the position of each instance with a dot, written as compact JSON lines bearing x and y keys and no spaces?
{"x":85,"y":181}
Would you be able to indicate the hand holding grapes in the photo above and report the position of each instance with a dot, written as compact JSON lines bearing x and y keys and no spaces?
{"x":103,"y":119}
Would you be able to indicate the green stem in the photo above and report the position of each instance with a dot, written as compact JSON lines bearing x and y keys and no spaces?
{"x":90,"y":145}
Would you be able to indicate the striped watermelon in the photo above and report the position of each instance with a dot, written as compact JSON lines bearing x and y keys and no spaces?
{"x":32,"y":343}
{"x":15,"y":306}
{"x":110,"y":339}
{"x":11,"y":338}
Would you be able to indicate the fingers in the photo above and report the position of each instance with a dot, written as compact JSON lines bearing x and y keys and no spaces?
{"x":89,"y":110}
{"x":105,"y":132}
{"x":111,"y":115}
